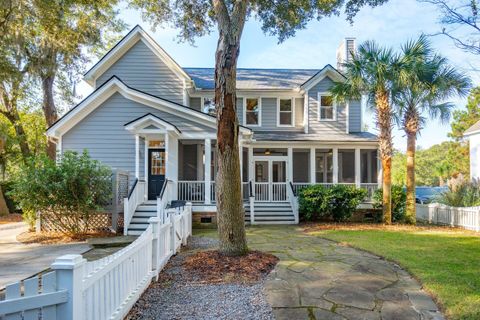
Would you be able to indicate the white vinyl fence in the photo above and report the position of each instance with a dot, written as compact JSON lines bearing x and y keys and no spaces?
{"x":440,"y":214}
{"x":101,"y":289}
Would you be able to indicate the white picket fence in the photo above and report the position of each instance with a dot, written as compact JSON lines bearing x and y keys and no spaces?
{"x":101,"y":289}
{"x":440,"y":214}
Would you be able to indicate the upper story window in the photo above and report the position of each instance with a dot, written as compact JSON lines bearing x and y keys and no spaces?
{"x":209,"y":106}
{"x":252,"y":111}
{"x":285,"y":112}
{"x":326,"y":107}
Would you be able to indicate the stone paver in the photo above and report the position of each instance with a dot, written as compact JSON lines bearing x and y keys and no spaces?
{"x":320,"y":279}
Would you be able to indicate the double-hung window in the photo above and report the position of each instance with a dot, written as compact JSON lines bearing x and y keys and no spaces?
{"x":285,"y":112}
{"x":252,"y":111}
{"x":326,"y":107}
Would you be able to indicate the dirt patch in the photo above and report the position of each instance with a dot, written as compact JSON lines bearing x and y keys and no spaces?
{"x":351,"y":226}
{"x":11,"y":218}
{"x":213,"y":267}
{"x":56,"y":237}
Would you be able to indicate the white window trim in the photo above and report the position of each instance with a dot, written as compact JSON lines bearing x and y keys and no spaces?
{"x":319,"y":101}
{"x":245,"y":111}
{"x":293,"y":113}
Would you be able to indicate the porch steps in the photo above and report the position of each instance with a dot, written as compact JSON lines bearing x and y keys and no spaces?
{"x":139,"y":222}
{"x":271,"y":213}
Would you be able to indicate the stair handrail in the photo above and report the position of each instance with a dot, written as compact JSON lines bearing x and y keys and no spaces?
{"x":162,"y":200}
{"x":135,"y":196}
{"x":292,"y":196}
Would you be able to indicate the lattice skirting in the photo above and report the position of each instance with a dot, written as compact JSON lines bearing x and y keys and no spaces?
{"x":98,"y":223}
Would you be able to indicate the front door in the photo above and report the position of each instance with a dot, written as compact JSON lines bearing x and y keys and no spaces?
{"x":270,"y":180}
{"x":156,"y":172}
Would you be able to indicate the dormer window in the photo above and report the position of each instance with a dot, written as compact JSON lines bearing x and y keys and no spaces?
{"x":285,"y":112}
{"x":252,"y":111}
{"x":326,"y":107}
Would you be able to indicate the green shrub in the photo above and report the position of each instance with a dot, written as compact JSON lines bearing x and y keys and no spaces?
{"x":6,"y":188}
{"x":461,"y":193}
{"x":338,"y":202}
{"x":399,"y":201}
{"x":69,"y":192}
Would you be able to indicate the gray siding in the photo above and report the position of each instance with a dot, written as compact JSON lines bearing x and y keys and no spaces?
{"x":103,"y":133}
{"x":316,"y":126}
{"x":196,"y":103}
{"x":355,"y":116}
{"x":269,"y":115}
{"x":141,"y":69}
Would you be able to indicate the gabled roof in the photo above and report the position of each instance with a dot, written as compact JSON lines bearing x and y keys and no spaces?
{"x":473,"y":129}
{"x":135,"y":35}
{"x":328,"y":70}
{"x":113,"y":85}
{"x":255,"y":79}
{"x":150,"y":119}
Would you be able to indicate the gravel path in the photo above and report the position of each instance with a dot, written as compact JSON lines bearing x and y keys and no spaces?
{"x":175,"y":296}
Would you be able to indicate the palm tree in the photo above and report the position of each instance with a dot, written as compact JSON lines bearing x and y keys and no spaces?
{"x":428,"y":80}
{"x":371,"y":72}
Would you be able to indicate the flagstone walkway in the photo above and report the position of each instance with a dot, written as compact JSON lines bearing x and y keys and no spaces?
{"x":320,"y":279}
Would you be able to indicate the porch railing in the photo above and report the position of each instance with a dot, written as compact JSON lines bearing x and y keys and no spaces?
{"x":262,"y":191}
{"x":279,"y":191}
{"x":192,"y":191}
{"x":370,"y":187}
{"x":213,"y":198}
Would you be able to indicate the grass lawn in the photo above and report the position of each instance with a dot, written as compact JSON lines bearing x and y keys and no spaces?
{"x":446,"y":261}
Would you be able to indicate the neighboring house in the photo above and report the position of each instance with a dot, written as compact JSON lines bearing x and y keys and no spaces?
{"x":152,"y":118}
{"x":473,"y":135}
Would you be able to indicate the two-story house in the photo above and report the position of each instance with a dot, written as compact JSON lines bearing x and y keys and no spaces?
{"x":149,"y":116}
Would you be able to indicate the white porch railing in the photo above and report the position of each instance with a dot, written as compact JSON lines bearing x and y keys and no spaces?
{"x":102,"y":289}
{"x":279,"y":191}
{"x":135,"y":197}
{"x":440,"y":214}
{"x":262,"y":191}
{"x":292,"y":196}
{"x":371,"y":188}
{"x":212,"y":191}
{"x":193,"y":191}
{"x":165,"y":196}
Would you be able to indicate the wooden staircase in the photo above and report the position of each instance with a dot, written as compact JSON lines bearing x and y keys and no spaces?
{"x":140,"y":218}
{"x":271,"y":213}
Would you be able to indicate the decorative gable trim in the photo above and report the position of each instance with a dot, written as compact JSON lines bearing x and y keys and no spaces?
{"x":135,"y":35}
{"x":150,"y":122}
{"x":329,"y":71}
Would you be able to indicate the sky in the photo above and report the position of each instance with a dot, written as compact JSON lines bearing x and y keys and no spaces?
{"x":391,"y":25}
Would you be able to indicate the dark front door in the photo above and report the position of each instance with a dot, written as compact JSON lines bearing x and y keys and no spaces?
{"x":156,"y":172}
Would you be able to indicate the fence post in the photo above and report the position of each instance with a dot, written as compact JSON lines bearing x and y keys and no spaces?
{"x":172,"y":234}
{"x":70,"y":271}
{"x":155,"y":222}
{"x":477,"y":219}
{"x":453,"y":212}
{"x":125,"y":213}
{"x":114,"y":199}
{"x":189,"y":218}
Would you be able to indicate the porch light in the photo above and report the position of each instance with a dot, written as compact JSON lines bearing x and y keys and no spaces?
{"x":267,"y":152}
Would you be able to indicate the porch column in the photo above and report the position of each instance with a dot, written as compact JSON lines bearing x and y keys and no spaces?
{"x":208,"y":167}
{"x":290,"y":165}
{"x":358,"y":176}
{"x":137,"y":156}
{"x":240,"y":156}
{"x":380,"y":171}
{"x":335,"y":166}
{"x":312,"y":166}
{"x":171,"y":146}
{"x":251,"y":165}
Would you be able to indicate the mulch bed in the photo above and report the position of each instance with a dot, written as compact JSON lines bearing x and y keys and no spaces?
{"x":58,"y":238}
{"x":352,"y":226}
{"x":10,"y":218}
{"x":213,"y":267}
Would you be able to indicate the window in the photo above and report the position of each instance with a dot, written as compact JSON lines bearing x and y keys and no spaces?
{"x":252,"y":111}
{"x":324,"y":166}
{"x":285,"y":112}
{"x":209,"y":106}
{"x":327,"y":108}
{"x":156,"y":144}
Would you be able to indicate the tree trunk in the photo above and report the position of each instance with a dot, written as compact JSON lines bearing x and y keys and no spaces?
{"x":12,"y":115}
{"x":410,"y":216}
{"x":384,"y":122}
{"x":3,"y":204}
{"x":50,"y":111}
{"x":230,"y":211}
